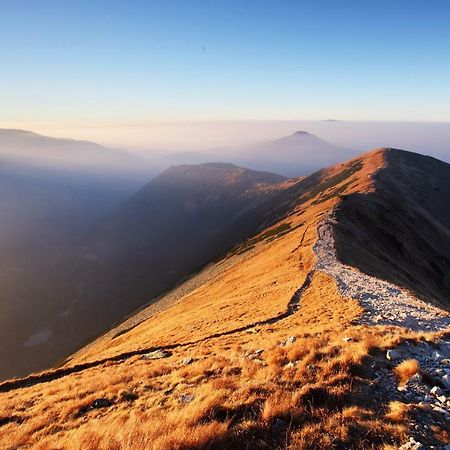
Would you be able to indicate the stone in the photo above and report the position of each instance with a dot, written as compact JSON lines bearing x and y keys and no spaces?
{"x":412,"y":444}
{"x":291,"y":340}
{"x":101,"y":403}
{"x":347,"y":339}
{"x":392,"y":355}
{"x":439,"y":409}
{"x":186,"y":398}
{"x":157,"y":354}
{"x":416,"y":378}
{"x":436,"y":390}
{"x":446,"y":380}
{"x":186,"y":361}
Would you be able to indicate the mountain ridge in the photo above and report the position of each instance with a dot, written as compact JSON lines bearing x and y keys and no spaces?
{"x":280,"y":343}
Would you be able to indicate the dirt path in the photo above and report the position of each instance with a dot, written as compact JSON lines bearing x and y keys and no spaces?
{"x":43,"y":377}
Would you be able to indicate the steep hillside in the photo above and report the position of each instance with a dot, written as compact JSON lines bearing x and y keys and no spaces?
{"x":277,"y":345}
{"x":43,"y":212}
{"x":401,"y":231}
{"x":172,"y":227}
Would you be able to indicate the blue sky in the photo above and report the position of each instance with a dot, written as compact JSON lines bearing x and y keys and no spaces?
{"x":186,"y":60}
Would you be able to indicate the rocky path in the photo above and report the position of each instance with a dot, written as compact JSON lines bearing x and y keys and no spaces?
{"x":428,"y":392}
{"x":384,"y":303}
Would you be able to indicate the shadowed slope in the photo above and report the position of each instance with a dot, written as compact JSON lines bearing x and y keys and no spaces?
{"x":400,"y":231}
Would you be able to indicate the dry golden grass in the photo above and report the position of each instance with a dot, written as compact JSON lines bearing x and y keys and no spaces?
{"x":312,"y":386}
{"x":398,"y":411}
{"x":405,"y":370}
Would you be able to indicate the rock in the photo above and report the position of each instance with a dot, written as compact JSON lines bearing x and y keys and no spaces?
{"x":412,"y":444}
{"x":416,"y":378}
{"x":157,"y":354}
{"x":186,"y":398}
{"x":101,"y":403}
{"x":186,"y":361}
{"x":436,"y":390}
{"x":392,"y":355}
{"x":446,"y":380}
{"x":439,"y":409}
{"x":289,"y":365}
{"x":255,"y":354}
{"x":442,"y":398}
{"x":347,"y":339}
{"x":260,"y":361}
{"x":291,"y":340}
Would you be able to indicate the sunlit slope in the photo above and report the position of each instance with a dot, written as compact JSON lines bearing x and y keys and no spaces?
{"x":260,"y":285}
{"x":263,"y":351}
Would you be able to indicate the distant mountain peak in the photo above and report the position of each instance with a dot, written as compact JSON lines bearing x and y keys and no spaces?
{"x":301,"y":133}
{"x":220,"y":165}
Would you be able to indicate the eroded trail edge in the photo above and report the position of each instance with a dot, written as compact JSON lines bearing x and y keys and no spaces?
{"x":384,"y":303}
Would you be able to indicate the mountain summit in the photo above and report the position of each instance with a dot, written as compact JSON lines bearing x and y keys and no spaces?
{"x":297,"y":154}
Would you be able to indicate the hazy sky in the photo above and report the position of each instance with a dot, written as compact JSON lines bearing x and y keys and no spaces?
{"x":123,"y":61}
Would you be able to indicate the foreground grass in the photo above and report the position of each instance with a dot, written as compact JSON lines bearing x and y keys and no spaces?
{"x":245,"y":391}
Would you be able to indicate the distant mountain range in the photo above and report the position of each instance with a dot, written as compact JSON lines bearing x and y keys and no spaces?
{"x":38,"y":151}
{"x":298,"y":154}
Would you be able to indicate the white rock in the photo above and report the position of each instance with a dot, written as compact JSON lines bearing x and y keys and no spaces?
{"x":392,"y":355}
{"x":436,"y":390}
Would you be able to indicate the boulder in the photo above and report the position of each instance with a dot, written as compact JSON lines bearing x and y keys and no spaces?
{"x":157,"y":354}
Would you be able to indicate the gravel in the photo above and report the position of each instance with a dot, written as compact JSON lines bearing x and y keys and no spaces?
{"x":384,"y":303}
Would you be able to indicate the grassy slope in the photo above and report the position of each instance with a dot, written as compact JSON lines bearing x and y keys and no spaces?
{"x":314,"y":393}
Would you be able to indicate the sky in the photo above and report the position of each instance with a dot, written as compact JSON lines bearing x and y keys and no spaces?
{"x":86,"y":64}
